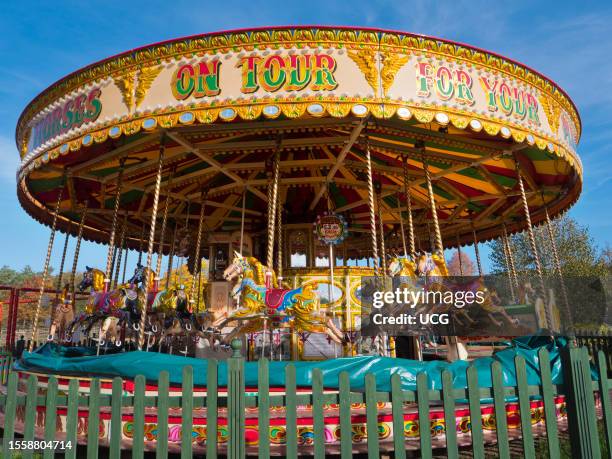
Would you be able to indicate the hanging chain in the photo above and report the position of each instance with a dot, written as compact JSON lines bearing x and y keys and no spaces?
{"x":143,"y":315}
{"x":46,"y":266}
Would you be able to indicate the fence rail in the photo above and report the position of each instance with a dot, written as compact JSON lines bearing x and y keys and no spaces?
{"x":35,"y":414}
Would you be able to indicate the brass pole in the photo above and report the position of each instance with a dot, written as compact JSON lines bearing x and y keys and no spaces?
{"x":477,"y":252}
{"x":372,"y":209}
{"x":46,"y":266}
{"x":401,"y":221}
{"x":242,"y":221}
{"x":459,"y":256}
{"x":162,"y":236}
{"x":279,"y":242}
{"x":77,"y":250}
{"x":111,"y":239}
{"x":197,"y":264}
{"x":58,"y":284}
{"x":171,"y":255}
{"x":409,"y":209}
{"x":120,"y":253}
{"x":512,"y":276}
{"x":272,"y":211}
{"x":143,"y":316}
{"x":532,"y":243}
{"x":434,"y":213}
{"x":381,"y":230}
{"x":557,"y":261}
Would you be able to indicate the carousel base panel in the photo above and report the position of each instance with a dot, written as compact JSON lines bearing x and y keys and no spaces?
{"x":277,"y":431}
{"x":82,"y":364}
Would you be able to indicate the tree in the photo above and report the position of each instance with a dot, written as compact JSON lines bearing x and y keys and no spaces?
{"x":577,"y":251}
{"x":465,"y":268}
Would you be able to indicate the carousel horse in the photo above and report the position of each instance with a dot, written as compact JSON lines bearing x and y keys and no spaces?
{"x":171,"y":309}
{"x":298,"y":308}
{"x":143,"y":276}
{"x":63,"y":315}
{"x":432,"y":267}
{"x":492,"y":303}
{"x":106,"y":307}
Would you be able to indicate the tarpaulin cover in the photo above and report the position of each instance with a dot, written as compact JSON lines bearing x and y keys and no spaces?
{"x":54,"y":359}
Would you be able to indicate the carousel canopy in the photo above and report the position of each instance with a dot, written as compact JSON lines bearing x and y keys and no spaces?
{"x":221,"y":105}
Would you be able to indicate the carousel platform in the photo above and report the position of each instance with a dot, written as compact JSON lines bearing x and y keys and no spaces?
{"x":82,"y":364}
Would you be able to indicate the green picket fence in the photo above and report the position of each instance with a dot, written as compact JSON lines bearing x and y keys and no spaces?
{"x":579,"y":389}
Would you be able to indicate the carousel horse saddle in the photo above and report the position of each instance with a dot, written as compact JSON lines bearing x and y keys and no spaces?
{"x":275,"y":298}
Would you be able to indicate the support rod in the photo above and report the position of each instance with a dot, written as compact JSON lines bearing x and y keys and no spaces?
{"x":143,"y":315}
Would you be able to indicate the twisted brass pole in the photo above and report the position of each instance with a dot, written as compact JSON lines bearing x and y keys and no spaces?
{"x":272,"y":211}
{"x":75,"y":260}
{"x":401,"y":221}
{"x":143,"y":315}
{"x":372,"y":209}
{"x":197,"y":264}
{"x":46,"y":267}
{"x":409,"y":209}
{"x":279,"y":242}
{"x":383,"y":252}
{"x":141,"y":242}
{"x":120,"y":252}
{"x":171,"y":255}
{"x":532,"y":243}
{"x":111,"y":239}
{"x":58,"y":284}
{"x":434,"y":213}
{"x":459,"y":256}
{"x":477,"y":252}
{"x":504,"y":241}
{"x":160,"y":253}
{"x":557,"y":261}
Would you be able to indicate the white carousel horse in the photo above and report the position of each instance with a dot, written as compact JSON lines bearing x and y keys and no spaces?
{"x":260,"y":303}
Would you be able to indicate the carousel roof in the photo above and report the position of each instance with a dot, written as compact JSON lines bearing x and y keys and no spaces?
{"x":223,"y":104}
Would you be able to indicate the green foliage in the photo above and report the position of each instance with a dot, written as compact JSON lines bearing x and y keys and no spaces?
{"x":578,"y":253}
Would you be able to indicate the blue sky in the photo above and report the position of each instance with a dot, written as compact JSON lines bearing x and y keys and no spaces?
{"x":42,"y":41}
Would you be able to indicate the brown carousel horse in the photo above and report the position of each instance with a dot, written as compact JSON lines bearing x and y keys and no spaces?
{"x":263,"y":304}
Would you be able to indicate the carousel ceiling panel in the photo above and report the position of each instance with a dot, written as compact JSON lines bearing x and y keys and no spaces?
{"x":219,"y":139}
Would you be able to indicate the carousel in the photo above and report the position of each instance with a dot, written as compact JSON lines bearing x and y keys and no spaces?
{"x":256,"y":177}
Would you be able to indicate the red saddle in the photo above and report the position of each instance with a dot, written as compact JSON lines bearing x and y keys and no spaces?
{"x":274,"y":298}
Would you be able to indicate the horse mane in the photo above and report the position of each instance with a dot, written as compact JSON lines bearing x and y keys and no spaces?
{"x":259,"y":272}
